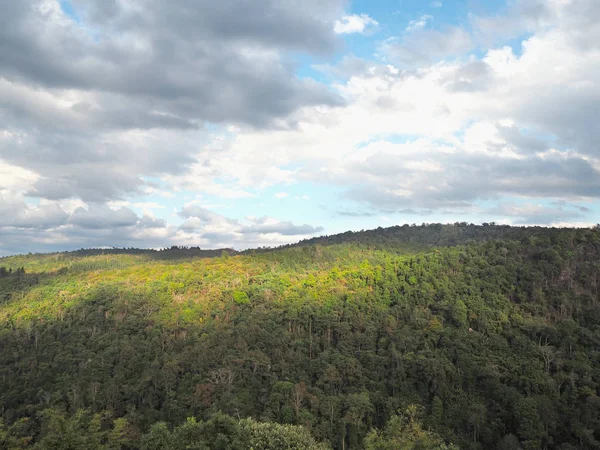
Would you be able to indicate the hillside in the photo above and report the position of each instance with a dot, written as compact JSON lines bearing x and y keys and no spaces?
{"x":413,"y":337}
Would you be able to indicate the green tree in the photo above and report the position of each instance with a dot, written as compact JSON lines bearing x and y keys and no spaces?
{"x":405,"y":432}
{"x":273,"y":436}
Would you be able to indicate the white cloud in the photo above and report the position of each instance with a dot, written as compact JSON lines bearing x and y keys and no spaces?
{"x":421,"y":47}
{"x":355,"y":23}
{"x":473,"y":128}
{"x":282,"y":195}
{"x":15,"y":178}
{"x":418,"y":24}
{"x":218,"y":230}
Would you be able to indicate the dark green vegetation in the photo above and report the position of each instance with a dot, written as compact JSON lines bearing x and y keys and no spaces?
{"x":425,"y":337}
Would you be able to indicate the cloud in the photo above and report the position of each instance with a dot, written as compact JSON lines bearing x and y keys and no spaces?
{"x":418,"y":24}
{"x":100,"y":217}
{"x":151,"y":222}
{"x":282,"y":195}
{"x":356,"y":23}
{"x":448,"y":135}
{"x":474,"y":75}
{"x":422,"y":175}
{"x":49,"y":227}
{"x":96,"y":106}
{"x":377,"y":213}
{"x":43,"y":217}
{"x":227,"y":65}
{"x":266,"y":225}
{"x":15,"y":213}
{"x":14,"y":178}
{"x":523,"y":16}
{"x":137,"y":100}
{"x":539,"y":214}
{"x":213,"y":224}
{"x":356,"y":213}
{"x":346,"y":68}
{"x":421,"y":46}
{"x":198,"y":218}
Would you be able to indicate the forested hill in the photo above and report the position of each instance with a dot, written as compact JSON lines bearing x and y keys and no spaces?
{"x":414,"y":337}
{"x":173,"y":252}
{"x":436,"y":234}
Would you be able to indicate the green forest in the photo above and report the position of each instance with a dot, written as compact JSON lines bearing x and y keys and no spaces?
{"x":410,"y":337}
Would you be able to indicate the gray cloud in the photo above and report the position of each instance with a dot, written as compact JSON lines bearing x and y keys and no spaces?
{"x":15,"y":214}
{"x":536,"y":214}
{"x":48,"y":228}
{"x":151,"y":222}
{"x":427,"y":45}
{"x":189,"y":61}
{"x":569,"y":114}
{"x":102,"y":217}
{"x":276,"y":22}
{"x":86,"y":181}
{"x":262,"y":226}
{"x":198,"y":218}
{"x":579,"y":19}
{"x":93,"y":104}
{"x":196,"y":211}
{"x":465,"y":179}
{"x":43,"y":217}
{"x":375,"y":213}
{"x":473,"y":76}
{"x":19,"y":240}
{"x":349,"y":65}
{"x":522,"y":16}
{"x":522,"y":142}
{"x":354,"y":213}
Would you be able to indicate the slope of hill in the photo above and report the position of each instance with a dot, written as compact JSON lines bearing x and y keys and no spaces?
{"x":402,"y":338}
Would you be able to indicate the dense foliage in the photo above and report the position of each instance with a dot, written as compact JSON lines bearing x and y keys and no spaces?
{"x":439,"y":336}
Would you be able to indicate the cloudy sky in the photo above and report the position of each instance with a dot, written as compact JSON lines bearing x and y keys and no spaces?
{"x":260,"y":122}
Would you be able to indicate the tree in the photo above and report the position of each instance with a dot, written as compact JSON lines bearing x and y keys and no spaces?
{"x":459,"y":313}
{"x":405,"y":432}
{"x":158,"y":438}
{"x":81,"y":430}
{"x":273,"y":436}
{"x":15,"y":437}
{"x":530,"y":429}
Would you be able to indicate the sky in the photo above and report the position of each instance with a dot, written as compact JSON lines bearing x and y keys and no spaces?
{"x":247,"y":123}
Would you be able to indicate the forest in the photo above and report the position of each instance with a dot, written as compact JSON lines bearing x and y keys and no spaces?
{"x":410,"y":337}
